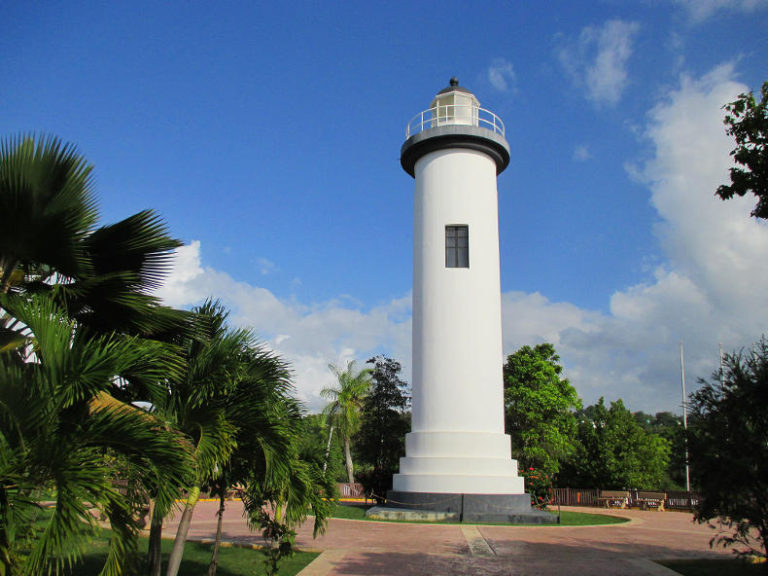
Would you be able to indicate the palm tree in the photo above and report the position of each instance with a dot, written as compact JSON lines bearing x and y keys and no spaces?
{"x":99,"y":278}
{"x":197,"y":405}
{"x":49,"y":243}
{"x":267,"y":462}
{"x":234,"y":404}
{"x":61,"y":427}
{"x":47,"y":208}
{"x":346,"y":402}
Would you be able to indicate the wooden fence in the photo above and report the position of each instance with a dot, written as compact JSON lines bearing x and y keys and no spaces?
{"x":351,"y":491}
{"x":675,"y":500}
{"x":574,"y":496}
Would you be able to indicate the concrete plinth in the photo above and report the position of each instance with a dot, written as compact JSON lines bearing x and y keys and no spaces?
{"x":410,"y":515}
{"x":511,"y":508}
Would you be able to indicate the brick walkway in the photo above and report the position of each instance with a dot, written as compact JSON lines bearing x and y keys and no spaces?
{"x":352,"y":547}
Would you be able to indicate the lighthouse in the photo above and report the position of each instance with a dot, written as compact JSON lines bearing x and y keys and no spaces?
{"x":458,"y":458}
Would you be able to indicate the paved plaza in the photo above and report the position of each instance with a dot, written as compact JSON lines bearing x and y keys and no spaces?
{"x":352,"y":547}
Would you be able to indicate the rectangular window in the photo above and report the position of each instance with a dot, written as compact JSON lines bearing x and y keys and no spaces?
{"x":457,"y":246}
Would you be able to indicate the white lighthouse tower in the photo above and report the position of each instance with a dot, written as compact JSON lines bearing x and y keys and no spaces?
{"x":457,"y":454}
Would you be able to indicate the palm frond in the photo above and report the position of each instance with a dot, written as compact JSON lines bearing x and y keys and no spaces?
{"x":47,"y":204}
{"x":139,"y":244}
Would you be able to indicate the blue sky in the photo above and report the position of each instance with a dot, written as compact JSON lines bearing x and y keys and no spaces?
{"x":268,"y":136}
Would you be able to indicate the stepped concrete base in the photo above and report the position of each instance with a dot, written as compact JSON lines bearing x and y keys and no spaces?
{"x":410,"y":515}
{"x":507,"y":508}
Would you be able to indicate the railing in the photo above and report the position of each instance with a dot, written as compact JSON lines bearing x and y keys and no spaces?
{"x":354,"y":491}
{"x":462,"y":114}
{"x":682,"y":500}
{"x":574,"y":496}
{"x":675,"y":500}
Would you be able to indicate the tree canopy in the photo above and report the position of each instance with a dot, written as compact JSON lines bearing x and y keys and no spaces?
{"x":728,"y":445}
{"x":747,"y":122}
{"x":76,"y":346}
{"x":539,"y":407}
{"x":380,"y":442}
{"x":82,"y":341}
{"x":346,"y":404}
{"x":613,"y":451}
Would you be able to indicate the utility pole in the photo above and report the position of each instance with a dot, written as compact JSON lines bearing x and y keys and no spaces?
{"x":722,"y":370}
{"x":685,"y":418}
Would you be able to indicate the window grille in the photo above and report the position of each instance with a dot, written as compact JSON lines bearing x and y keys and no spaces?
{"x":457,"y":246}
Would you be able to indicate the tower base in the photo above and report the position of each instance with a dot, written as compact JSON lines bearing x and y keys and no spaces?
{"x":506,"y":508}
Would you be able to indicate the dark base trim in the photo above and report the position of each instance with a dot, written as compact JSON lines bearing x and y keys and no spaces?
{"x":454,"y":136}
{"x":511,"y":508}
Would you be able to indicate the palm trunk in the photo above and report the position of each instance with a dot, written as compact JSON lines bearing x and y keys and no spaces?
{"x":154,"y":553}
{"x":348,"y":458}
{"x":7,"y":266}
{"x":174,"y":560}
{"x":215,"y":557}
{"x":328,"y":450}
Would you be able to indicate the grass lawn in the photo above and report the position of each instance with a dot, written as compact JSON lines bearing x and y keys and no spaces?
{"x":567,"y":518}
{"x":232,"y":561}
{"x":715,"y":567}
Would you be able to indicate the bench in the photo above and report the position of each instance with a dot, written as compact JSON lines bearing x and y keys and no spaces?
{"x":651,"y":500}
{"x":614,"y":498}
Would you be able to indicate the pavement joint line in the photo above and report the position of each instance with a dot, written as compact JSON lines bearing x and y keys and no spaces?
{"x":478,"y":546}
{"x":323,"y":564}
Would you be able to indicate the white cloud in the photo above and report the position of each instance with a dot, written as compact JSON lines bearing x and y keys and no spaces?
{"x":711,"y":289}
{"x":598,"y":59}
{"x":700,"y":10}
{"x":265,"y":266}
{"x":501,"y":74}
{"x":308,"y":337}
{"x":180,"y":288}
{"x":581,"y":153}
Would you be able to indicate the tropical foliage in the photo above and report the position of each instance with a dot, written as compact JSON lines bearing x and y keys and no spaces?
{"x":747,"y":122}
{"x":62,"y":428}
{"x":233,"y":402}
{"x":67,"y":371}
{"x":380,"y":442}
{"x":50,"y":243}
{"x":728,"y":444}
{"x":82,"y":343}
{"x":345,"y":406}
{"x":539,"y":408}
{"x":613,"y":451}
{"x":539,"y":485}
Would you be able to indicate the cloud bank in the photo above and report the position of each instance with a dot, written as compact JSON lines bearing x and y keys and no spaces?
{"x":700,"y":10}
{"x":712,"y":287}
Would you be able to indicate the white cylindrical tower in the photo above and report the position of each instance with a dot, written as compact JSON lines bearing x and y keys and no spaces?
{"x":457,"y":445}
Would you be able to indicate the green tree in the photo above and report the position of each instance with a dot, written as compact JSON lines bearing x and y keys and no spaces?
{"x":346,"y":403}
{"x":271,"y":460}
{"x":670,"y":427}
{"x":613,"y":451}
{"x":50,"y":243}
{"x":197,"y":405}
{"x":728,"y":445}
{"x":234,"y":405}
{"x":62,"y":428}
{"x":380,"y":443}
{"x":539,"y":407}
{"x":313,"y":444}
{"x":94,"y":281}
{"x":747,"y":122}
